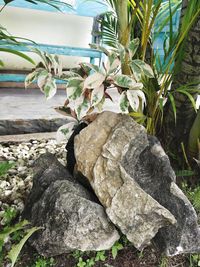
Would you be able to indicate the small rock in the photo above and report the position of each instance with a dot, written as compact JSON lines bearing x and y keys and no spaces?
{"x":22,"y":168}
{"x":12,"y":171}
{"x":4,"y":184}
{"x":21,"y":185}
{"x":7,"y":193}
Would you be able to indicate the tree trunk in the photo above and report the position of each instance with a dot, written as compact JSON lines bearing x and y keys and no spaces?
{"x":175,"y":133}
{"x":123,"y":31}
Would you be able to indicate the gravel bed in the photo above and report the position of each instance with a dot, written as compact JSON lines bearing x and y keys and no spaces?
{"x":16,"y":184}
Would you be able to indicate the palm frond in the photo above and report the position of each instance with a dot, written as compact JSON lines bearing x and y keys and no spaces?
{"x":109,"y":30}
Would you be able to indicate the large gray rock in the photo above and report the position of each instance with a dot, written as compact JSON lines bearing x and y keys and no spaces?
{"x":99,"y":151}
{"x":152,"y":171}
{"x":47,"y":169}
{"x":132,"y":177}
{"x":67,"y":212}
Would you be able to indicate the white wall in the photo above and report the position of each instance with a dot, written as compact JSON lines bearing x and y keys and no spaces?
{"x":45,"y":27}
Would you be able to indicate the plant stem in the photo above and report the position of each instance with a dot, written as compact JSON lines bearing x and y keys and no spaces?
{"x":124,"y":33}
{"x":2,"y":8}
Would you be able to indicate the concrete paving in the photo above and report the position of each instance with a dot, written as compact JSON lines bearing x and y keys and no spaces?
{"x":28,"y":111}
{"x":27,"y":137}
{"x":21,"y":104}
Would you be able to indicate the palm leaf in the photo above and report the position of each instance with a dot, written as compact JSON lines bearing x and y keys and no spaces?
{"x":190,"y":97}
{"x":16,"y":249}
{"x":15,"y":52}
{"x":164,"y":17}
{"x":110,"y":30}
{"x":171,"y":98}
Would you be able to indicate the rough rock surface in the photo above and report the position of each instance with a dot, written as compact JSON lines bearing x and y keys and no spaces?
{"x":47,"y":170}
{"x":152,"y":171}
{"x":66,"y":210}
{"x":99,"y":151}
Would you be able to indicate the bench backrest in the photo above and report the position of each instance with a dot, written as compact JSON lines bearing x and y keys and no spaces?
{"x":80,"y":8}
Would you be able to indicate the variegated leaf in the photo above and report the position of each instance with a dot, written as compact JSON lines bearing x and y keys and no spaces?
{"x":30,"y":78}
{"x":113,"y":63}
{"x":123,"y":102}
{"x":65,"y":131}
{"x":123,"y":81}
{"x":100,"y":105}
{"x":135,"y":97}
{"x":50,"y":87}
{"x":91,"y":66}
{"x":66,"y":75}
{"x":94,"y":80}
{"x":42,"y":77}
{"x":74,"y":88}
{"x":142,"y":97}
{"x":133,"y":46}
{"x":57,"y":65}
{"x":82,"y":106}
{"x":97,"y":95}
{"x":137,"y":72}
{"x":145,"y":68}
{"x":100,"y":48}
{"x":136,"y":86}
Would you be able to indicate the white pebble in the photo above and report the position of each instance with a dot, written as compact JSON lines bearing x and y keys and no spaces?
{"x":4,"y":184}
{"x":7,"y":193}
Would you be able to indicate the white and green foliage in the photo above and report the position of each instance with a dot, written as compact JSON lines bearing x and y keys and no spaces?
{"x":65,"y":131}
{"x":86,"y":92}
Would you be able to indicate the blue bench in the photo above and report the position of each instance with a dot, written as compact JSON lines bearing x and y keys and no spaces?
{"x":51,"y":49}
{"x":81,"y":9}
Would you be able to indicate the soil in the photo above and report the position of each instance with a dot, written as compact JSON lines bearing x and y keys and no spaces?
{"x":128,"y":257}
